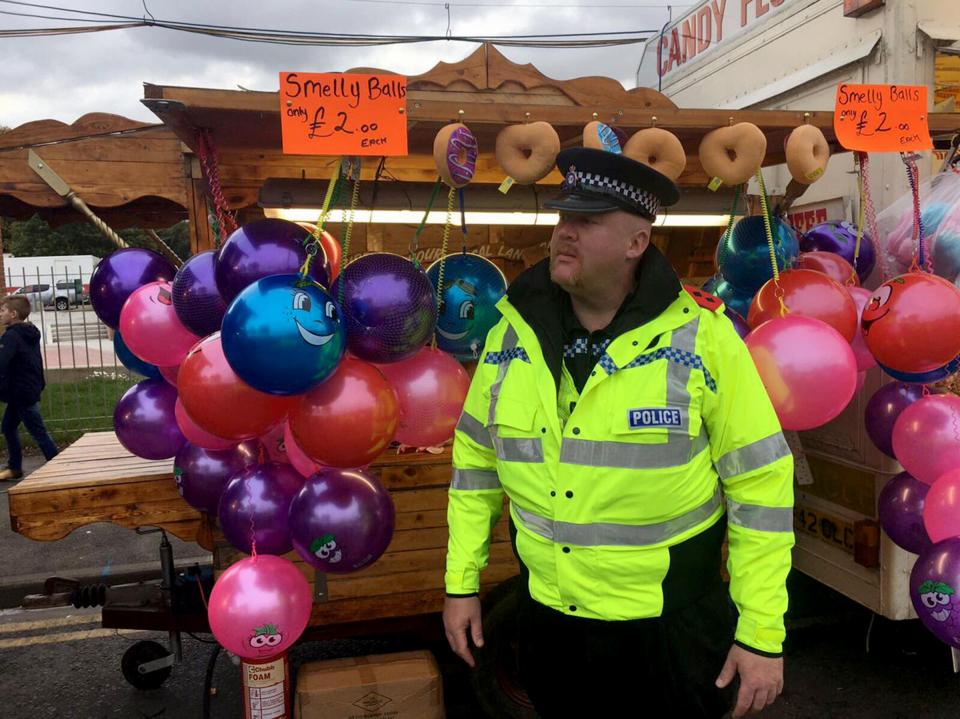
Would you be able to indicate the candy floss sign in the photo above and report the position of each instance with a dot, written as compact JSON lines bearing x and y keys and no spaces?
{"x":711,"y":24}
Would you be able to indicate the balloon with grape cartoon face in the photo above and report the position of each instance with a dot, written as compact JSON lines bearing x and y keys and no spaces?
{"x":472,"y":286}
{"x":283,"y":335}
{"x":266,"y":639}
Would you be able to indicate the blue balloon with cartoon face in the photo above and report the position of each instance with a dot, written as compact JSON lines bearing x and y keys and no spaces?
{"x":472,"y":286}
{"x":283,"y":335}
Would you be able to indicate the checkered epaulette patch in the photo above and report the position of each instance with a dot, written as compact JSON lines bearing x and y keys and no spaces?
{"x":704,"y":299}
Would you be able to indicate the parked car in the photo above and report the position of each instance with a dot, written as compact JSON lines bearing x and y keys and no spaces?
{"x":63,"y":295}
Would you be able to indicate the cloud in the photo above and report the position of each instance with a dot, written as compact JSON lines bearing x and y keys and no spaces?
{"x":64,"y":77}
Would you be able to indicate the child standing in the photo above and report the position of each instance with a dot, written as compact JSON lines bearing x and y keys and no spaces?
{"x":21,"y":383}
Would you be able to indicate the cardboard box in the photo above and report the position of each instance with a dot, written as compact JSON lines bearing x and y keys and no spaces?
{"x":386,"y":686}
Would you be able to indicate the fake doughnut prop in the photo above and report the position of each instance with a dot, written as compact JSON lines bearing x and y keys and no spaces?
{"x":807,"y":154}
{"x":658,"y":149}
{"x":527,"y":153}
{"x":733,"y":154}
{"x":602,"y":137}
{"x":455,"y":154}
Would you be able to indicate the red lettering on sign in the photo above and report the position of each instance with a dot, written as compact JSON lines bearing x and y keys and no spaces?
{"x":674,"y":49}
{"x":718,"y":12}
{"x":689,"y":38}
{"x":704,"y":27}
{"x":762,"y":8}
{"x":743,"y":12}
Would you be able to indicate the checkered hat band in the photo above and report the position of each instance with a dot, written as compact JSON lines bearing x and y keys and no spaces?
{"x":618,"y":190}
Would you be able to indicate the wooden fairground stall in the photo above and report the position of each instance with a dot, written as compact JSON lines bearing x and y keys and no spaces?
{"x":217,"y":160}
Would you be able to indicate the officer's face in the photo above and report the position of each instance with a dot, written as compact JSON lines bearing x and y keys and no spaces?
{"x":588,"y":252}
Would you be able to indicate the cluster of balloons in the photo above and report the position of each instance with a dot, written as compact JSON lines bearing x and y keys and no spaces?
{"x":273,"y":394}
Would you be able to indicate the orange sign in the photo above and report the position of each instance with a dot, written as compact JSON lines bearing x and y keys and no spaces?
{"x":882,"y":118}
{"x":338,"y":114}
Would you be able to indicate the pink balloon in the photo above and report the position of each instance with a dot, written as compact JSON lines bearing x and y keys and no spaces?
{"x":296,"y":456}
{"x":941,"y":508}
{"x":926,"y":437}
{"x":196,"y":435}
{"x":150,"y":326}
{"x":273,"y":443}
{"x":431,"y":387}
{"x":170,"y":374}
{"x":259,"y":607}
{"x":865,"y":359}
{"x":807,"y":367}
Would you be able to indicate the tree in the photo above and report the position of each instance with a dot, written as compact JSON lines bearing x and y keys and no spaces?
{"x":35,"y":237}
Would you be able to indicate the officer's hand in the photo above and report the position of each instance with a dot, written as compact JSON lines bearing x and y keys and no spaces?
{"x":761,"y":679}
{"x":462,"y":615}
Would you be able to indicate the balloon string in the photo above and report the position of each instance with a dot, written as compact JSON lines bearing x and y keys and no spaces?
{"x":770,"y":246}
{"x":727,"y":237}
{"x":451,"y":197}
{"x":463,"y":220}
{"x":354,"y":200}
{"x":415,"y":242}
{"x":203,"y":596}
{"x":871,"y":213}
{"x":253,"y":539}
{"x":321,"y":221}
{"x":861,"y":212}
{"x":919,"y":262}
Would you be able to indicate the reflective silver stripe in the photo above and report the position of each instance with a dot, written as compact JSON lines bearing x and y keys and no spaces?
{"x":474,"y":429}
{"x":509,"y":342}
{"x":618,"y":535}
{"x":763,"y":519}
{"x":678,"y":374}
{"x":752,"y":456}
{"x":518,"y":449}
{"x":474,"y":479}
{"x":630,"y":455}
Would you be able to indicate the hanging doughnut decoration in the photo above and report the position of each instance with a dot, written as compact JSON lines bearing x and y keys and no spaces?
{"x":807,"y":154}
{"x":455,"y":154}
{"x":601,"y":137}
{"x":732,"y":155}
{"x":527,"y":153}
{"x":658,"y":149}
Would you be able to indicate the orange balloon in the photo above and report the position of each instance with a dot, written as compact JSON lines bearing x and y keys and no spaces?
{"x":810,"y":294}
{"x":831,"y":264}
{"x":349,"y":419}
{"x":220,"y":402}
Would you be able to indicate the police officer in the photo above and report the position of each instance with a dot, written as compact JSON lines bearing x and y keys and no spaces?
{"x":624,"y":420}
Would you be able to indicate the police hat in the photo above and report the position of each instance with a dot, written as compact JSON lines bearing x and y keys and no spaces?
{"x":597,"y":181}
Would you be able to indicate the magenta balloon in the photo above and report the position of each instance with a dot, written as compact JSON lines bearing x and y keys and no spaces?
{"x":255,"y":505}
{"x":342,"y":520}
{"x":145,"y":422}
{"x":201,"y":474}
{"x":151,"y":329}
{"x":197,"y":435}
{"x":926,"y":437}
{"x":795,"y":354}
{"x":119,"y":274}
{"x":431,"y":387}
{"x":259,"y":607}
{"x":941,"y":511}
{"x":298,"y":458}
{"x":882,"y":411}
{"x":900,"y":510}
{"x":865,"y":359}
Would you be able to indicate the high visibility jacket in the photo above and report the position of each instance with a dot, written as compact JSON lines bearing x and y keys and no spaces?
{"x":672,"y":430}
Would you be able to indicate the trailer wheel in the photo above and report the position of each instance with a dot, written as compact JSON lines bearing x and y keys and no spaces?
{"x":141,"y":653}
{"x":496,"y":680}
{"x":63,"y":304}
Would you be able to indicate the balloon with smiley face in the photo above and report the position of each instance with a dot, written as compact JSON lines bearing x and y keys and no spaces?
{"x":912,"y":323}
{"x":472,"y":286}
{"x":283,"y":335}
{"x":151,"y":328}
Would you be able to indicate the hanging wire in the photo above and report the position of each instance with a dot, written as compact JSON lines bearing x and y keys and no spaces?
{"x":727,"y":237}
{"x":920,"y":261}
{"x":871,"y":215}
{"x":770,"y":246}
{"x":348,"y":233}
{"x":207,"y":151}
{"x":451,"y":198}
{"x":415,"y":242}
{"x":858,"y":158}
{"x":463,"y":221}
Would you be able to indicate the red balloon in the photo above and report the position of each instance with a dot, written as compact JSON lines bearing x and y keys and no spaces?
{"x":831,"y":264}
{"x":220,"y":402}
{"x":331,"y":248}
{"x":809,"y":294}
{"x":912,"y":323}
{"x":349,"y":419}
{"x":431,"y":387}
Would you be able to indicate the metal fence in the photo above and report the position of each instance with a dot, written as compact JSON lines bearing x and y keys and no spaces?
{"x":84,"y":377}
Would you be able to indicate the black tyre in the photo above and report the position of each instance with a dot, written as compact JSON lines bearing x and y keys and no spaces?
{"x":496,"y":680}
{"x":141,"y":653}
{"x":63,"y":304}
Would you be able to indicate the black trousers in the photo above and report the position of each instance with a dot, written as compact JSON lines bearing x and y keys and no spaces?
{"x":661,"y":667}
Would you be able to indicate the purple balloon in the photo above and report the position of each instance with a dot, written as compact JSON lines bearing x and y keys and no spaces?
{"x":935,"y":590}
{"x":389,"y":307}
{"x":201,"y":474}
{"x":255,"y":505}
{"x":119,"y":274}
{"x":882,"y":411}
{"x":145,"y":422}
{"x":261,"y":248}
{"x":900,"y":508}
{"x":196,"y":299}
{"x":739,"y":324}
{"x":342,"y":520}
{"x":840,"y":237}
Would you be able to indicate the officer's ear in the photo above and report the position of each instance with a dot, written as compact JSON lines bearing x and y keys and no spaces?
{"x":639,"y":238}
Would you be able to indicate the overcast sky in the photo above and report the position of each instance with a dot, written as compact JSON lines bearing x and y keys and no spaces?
{"x":66,"y":76}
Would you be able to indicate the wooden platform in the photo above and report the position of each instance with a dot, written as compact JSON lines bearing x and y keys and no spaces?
{"x":97,"y":480}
